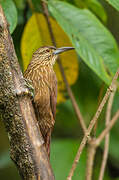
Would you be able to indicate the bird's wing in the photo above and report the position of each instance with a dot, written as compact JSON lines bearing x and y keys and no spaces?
{"x":53,"y":96}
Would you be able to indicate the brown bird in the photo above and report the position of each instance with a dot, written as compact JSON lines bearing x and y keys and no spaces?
{"x":42,"y":76}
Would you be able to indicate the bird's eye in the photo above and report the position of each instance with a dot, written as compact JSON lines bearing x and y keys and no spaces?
{"x":47,"y":50}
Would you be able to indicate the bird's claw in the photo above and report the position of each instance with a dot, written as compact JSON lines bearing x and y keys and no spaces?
{"x":30,"y":88}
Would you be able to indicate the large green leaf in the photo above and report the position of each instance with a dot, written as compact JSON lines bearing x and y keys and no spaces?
{"x":93,"y":42}
{"x":10,"y":13}
{"x":95,"y":6}
{"x":114,"y":3}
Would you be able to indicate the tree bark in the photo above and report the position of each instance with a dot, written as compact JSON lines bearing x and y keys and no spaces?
{"x":27,"y":148}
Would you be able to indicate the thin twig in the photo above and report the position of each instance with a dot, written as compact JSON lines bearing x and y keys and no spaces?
{"x":46,"y":14}
{"x":107,"y":129}
{"x":90,"y":159}
{"x":91,"y":150}
{"x":74,"y":103}
{"x":99,"y":100}
{"x":106,"y":146}
{"x":91,"y":125}
{"x":92,"y":144}
{"x":31,"y":5}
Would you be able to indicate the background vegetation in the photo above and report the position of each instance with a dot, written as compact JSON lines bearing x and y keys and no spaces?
{"x":91,"y":26}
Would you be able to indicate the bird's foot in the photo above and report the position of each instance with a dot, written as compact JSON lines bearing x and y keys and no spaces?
{"x":30,"y":88}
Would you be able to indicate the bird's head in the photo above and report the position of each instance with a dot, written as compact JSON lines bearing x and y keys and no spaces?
{"x":48,"y":54}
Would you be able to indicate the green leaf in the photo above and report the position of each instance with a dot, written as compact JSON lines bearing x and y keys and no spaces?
{"x":114,"y":3}
{"x":93,"y":42}
{"x":95,"y":6}
{"x":10,"y":13}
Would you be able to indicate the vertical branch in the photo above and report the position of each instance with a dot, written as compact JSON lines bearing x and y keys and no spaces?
{"x":46,"y":14}
{"x":99,"y":100}
{"x":92,"y":147}
{"x":90,"y":159}
{"x":106,"y":146}
{"x":108,"y":128}
{"x":26,"y":144}
{"x":74,"y":103}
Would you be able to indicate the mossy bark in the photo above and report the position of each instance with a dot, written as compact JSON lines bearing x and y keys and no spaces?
{"x":27,"y":148}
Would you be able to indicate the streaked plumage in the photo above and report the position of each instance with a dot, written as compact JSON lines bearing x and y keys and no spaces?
{"x":40,"y":72}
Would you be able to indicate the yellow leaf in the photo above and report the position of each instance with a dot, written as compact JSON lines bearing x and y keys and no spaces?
{"x":35,"y":35}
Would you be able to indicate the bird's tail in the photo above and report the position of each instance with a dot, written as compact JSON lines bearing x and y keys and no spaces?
{"x":47,"y":143}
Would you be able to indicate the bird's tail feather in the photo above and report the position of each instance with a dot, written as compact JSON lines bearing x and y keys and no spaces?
{"x":47,"y":143}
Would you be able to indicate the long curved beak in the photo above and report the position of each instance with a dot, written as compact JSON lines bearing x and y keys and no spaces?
{"x":62,"y":49}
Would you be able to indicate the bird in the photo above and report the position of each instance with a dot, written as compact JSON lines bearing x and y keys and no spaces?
{"x":44,"y":82}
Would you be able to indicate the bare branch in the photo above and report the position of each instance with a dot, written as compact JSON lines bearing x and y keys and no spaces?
{"x":46,"y":14}
{"x":73,"y":100}
{"x":26,"y":143}
{"x":90,"y":159}
{"x":99,"y":100}
{"x":108,"y":128}
{"x":92,"y":145}
{"x":91,"y":125}
{"x":106,"y":146}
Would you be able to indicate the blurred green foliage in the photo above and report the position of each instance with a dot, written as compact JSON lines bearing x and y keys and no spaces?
{"x":10,"y":12}
{"x":114,"y":3}
{"x":98,"y":55}
{"x":62,"y":155}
